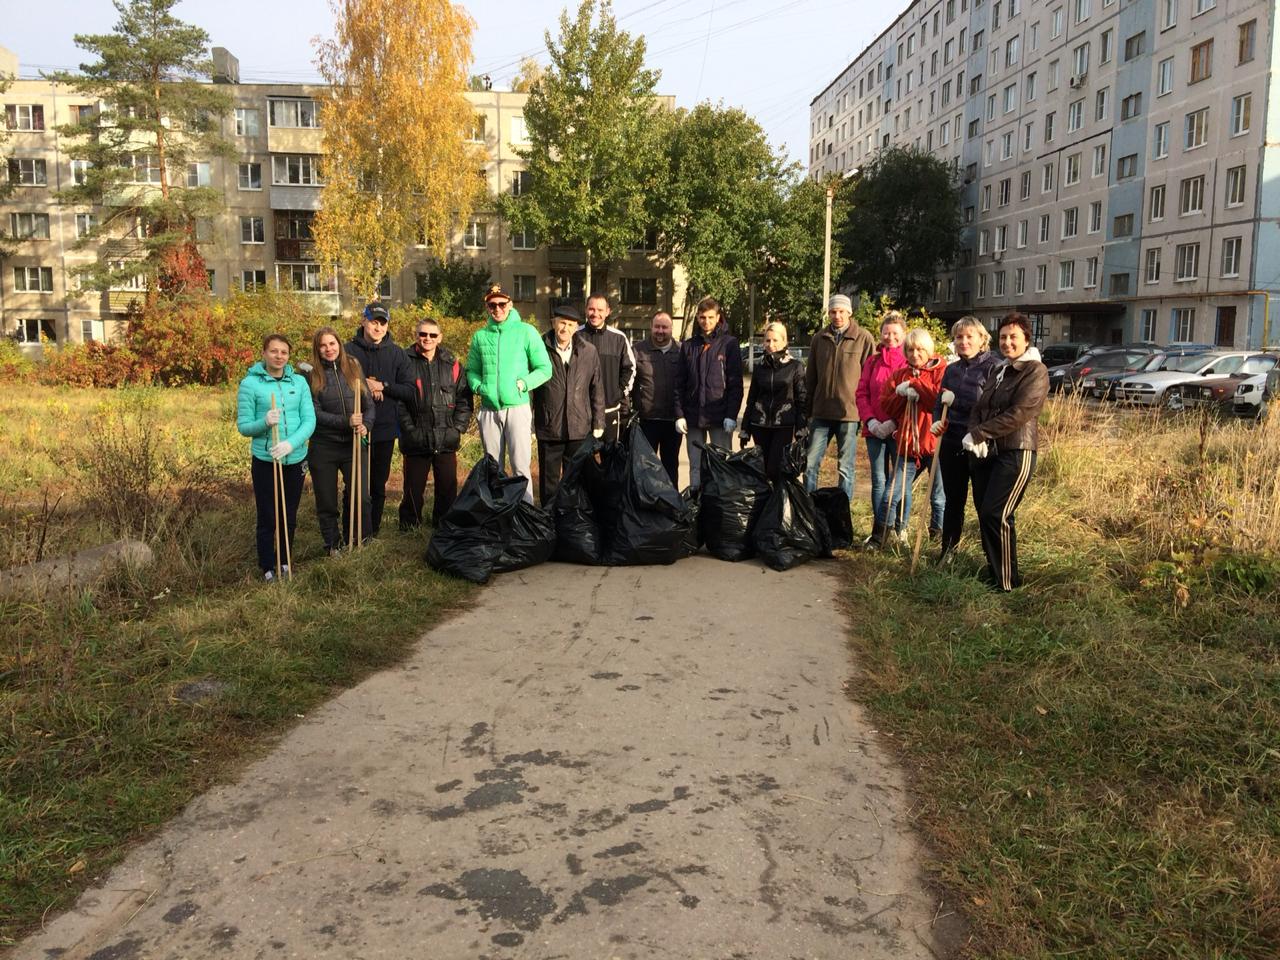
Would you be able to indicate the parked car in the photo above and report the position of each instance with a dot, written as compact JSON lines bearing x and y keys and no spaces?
{"x":1066,"y":376}
{"x":1101,"y":384}
{"x":1150,"y":388}
{"x":1250,"y":401}
{"x":1084,"y":377}
{"x":1220,"y":392}
{"x":1062,"y":354}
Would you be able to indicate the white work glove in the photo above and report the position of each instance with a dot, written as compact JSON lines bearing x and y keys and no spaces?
{"x":281,"y":450}
{"x":948,"y":398}
{"x":598,"y":432}
{"x":980,"y":450}
{"x":729,"y":425}
{"x":873,"y":427}
{"x":905,"y":389}
{"x":886,"y":428}
{"x":273,"y":416}
{"x":682,"y":425}
{"x":967,"y":443}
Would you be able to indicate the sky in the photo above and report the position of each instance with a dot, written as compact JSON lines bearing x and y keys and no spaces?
{"x":768,"y":57}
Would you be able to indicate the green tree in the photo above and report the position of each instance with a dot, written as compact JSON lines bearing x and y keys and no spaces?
{"x":398,"y":165}
{"x":529,"y":73}
{"x":455,"y":288}
{"x":904,"y":225}
{"x":6,"y":185}
{"x":158,"y":116}
{"x":723,"y":197}
{"x":592,"y":156}
{"x":789,"y":285}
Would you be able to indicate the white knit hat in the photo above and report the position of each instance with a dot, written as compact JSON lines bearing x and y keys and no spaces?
{"x":839,"y":301}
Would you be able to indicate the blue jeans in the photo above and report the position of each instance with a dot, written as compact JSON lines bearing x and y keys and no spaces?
{"x":878,"y":456}
{"x":846,"y":437}
{"x":937,"y":502}
{"x":895,"y":508}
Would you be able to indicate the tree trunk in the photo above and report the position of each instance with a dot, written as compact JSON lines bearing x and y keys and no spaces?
{"x":586,"y":283}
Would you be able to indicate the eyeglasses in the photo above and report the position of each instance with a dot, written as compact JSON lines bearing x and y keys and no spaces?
{"x":424,"y":335}
{"x":498,"y":304}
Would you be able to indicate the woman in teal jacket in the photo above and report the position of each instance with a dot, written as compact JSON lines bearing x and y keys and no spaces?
{"x":295,"y":418}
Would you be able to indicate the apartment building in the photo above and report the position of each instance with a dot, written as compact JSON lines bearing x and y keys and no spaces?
{"x":262,"y":236}
{"x":1120,"y":159}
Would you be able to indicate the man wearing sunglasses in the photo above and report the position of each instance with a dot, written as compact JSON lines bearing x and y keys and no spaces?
{"x":387,"y":371}
{"x":432,"y":425}
{"x":506,"y":362}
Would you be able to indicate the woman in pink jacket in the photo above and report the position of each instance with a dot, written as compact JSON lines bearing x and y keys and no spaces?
{"x":877,"y":426}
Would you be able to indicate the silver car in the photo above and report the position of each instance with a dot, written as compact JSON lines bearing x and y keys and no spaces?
{"x":1150,"y":388}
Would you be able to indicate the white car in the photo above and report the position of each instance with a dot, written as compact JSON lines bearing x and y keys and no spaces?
{"x":1149,"y":389}
{"x":1248,"y":401}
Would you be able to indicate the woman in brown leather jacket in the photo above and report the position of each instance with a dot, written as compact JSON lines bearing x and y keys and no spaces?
{"x":1002,"y":443}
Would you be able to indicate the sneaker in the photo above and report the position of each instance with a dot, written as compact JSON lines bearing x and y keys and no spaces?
{"x":946,"y":558}
{"x":284,"y":572}
{"x":902,"y":538}
{"x":333,"y":551}
{"x":269,"y":576}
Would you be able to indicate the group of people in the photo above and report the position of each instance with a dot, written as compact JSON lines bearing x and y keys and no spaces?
{"x":584,"y":378}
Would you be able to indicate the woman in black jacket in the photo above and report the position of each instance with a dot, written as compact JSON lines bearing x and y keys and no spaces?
{"x":431,"y":425}
{"x":777,"y":403}
{"x":335,"y":378}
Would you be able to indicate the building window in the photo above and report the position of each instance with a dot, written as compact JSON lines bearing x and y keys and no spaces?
{"x":1029,"y":90}
{"x":1019,"y":281}
{"x":86,"y":224}
{"x":1080,"y":60}
{"x":1042,"y":277}
{"x":27,"y":172}
{"x":1005,"y":186}
{"x":984,"y":242}
{"x":1203,"y":6}
{"x":296,"y":170}
{"x":1100,"y":160}
{"x":33,"y":279}
{"x":1246,"y":41}
{"x":1196,"y":129}
{"x":1168,"y":14}
{"x":520,"y":183}
{"x":1048,"y":126}
{"x":80,"y":172}
{"x":252,"y":230}
{"x":1235,"y":186}
{"x":1147,"y":326}
{"x":1055,"y":24}
{"x":519,"y":130}
{"x":1104,"y":52}
{"x":1122,"y":226}
{"x":1202,"y":61}
{"x":1241,"y":113}
{"x":1102,"y":103}
{"x":1157,"y":203}
{"x":1191,"y":196}
{"x":29,"y":226}
{"x":1164,"y":77}
{"x":1066,"y":274}
{"x":1075,"y":116}
{"x":1160,"y":141}
{"x":1152,"y":271}
{"x":253,"y":280}
{"x":1231,"y":257}
{"x":1134,"y":46}
{"x":1022,"y":233}
{"x":33,"y":330}
{"x":982,"y":286}
{"x":293,"y":113}
{"x":1048,"y":177}
{"x":250,"y":176}
{"x":302,"y":277}
{"x":1187,"y":261}
{"x":1184,"y":324}
{"x":144,"y":167}
{"x":1131,"y":106}
{"x":1070,"y":222}
{"x":639,"y":290}
{"x":525,"y":239}
{"x":1002,"y":238}
{"x":198,"y":174}
{"x":293,"y":225}
{"x":476,"y":235}
{"x":247,"y":122}
{"x":986,"y":197}
{"x":1091,"y":272}
{"x":1024,"y":185}
{"x":998,"y":287}
{"x":24,"y":116}
{"x":1044,"y":228}
{"x":1095,"y":216}
{"x":525,"y":287}
{"x":1119,"y":284}
{"x":1127,"y":167}
{"x":1072,"y":176}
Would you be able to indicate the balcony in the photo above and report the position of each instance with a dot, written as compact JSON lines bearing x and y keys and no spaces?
{"x":566,"y":258}
{"x":288,"y":248}
{"x":295,"y":140}
{"x":322,"y":302}
{"x":287,"y":197}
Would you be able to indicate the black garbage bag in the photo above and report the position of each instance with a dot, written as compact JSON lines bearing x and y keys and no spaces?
{"x":834,"y":506}
{"x":530,"y":538}
{"x":734,"y":491}
{"x":578,"y":535}
{"x":791,"y":530}
{"x":795,"y":458}
{"x":693,"y":539}
{"x":472,"y":536}
{"x":649,"y":521}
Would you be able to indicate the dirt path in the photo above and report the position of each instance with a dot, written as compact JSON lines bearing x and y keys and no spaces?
{"x":643,"y":763}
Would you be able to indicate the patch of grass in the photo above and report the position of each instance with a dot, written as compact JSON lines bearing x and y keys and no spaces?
{"x":1097,"y":755}
{"x":99,"y":745}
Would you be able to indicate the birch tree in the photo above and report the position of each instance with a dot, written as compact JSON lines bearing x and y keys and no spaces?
{"x":398,"y":168}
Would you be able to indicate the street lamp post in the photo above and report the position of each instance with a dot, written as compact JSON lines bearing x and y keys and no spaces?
{"x":826,"y":254}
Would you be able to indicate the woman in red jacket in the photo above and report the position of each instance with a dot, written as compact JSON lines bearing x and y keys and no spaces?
{"x":908,"y":398}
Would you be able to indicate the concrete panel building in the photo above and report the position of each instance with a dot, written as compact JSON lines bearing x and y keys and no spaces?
{"x":1120,"y":173}
{"x":272,"y":190}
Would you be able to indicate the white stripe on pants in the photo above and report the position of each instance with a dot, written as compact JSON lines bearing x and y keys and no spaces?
{"x":509,"y":433}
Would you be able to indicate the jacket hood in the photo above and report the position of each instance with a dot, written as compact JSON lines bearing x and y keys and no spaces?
{"x":1031,"y":354}
{"x":260,"y":369}
{"x":892,"y":356}
{"x":934,"y":362}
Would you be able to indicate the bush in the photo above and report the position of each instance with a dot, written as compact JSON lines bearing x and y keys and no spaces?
{"x":189,"y":342}
{"x":14,"y":364}
{"x":93,"y":364}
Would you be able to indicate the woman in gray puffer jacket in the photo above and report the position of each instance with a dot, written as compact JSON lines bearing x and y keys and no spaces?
{"x":334,"y":379}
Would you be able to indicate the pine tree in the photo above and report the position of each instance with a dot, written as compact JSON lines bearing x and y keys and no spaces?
{"x":399,"y":168}
{"x":592,"y":155}
{"x":158,"y":115}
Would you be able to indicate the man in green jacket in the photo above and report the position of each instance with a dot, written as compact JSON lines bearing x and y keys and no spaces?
{"x":505,"y":364}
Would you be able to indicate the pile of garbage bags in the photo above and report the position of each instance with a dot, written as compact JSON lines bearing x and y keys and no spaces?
{"x":616,"y":506}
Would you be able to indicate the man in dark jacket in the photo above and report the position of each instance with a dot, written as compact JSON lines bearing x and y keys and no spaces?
{"x":568,"y":406}
{"x":653,"y":396}
{"x":387,"y":372}
{"x":836,"y":355}
{"x":617,"y":363}
{"x":708,"y":385}
{"x":432,"y":425}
